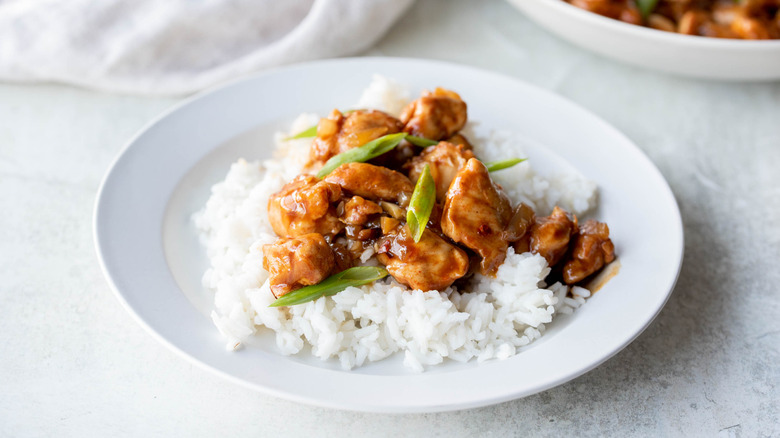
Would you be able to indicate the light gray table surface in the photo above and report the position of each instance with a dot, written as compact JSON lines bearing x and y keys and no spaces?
{"x":74,"y":363}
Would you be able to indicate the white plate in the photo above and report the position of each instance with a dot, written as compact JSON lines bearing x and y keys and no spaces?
{"x":150,"y":254}
{"x":710,"y":58}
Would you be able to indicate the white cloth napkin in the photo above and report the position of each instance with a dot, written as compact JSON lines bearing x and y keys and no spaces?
{"x":178,"y":46}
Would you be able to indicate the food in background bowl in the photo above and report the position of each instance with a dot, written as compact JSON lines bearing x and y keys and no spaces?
{"x":740,"y":19}
{"x":672,"y":52}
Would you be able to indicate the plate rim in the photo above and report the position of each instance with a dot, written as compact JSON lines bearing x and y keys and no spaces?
{"x":483,"y":401}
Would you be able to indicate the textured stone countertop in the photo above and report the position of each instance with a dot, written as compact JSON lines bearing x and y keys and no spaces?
{"x":74,"y":363}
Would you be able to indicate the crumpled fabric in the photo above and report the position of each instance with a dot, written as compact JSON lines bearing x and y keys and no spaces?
{"x":174,"y":47}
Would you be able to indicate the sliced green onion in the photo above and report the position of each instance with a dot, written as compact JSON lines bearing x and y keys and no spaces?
{"x":306,"y":133}
{"x":646,"y":7}
{"x":503,"y":164}
{"x":332,"y":285}
{"x":419,"y":141}
{"x":421,"y":204}
{"x":312,"y":132}
{"x":361,"y":154}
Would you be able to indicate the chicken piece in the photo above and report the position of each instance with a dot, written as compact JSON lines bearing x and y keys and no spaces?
{"x":430,"y":264}
{"x":445,"y":160}
{"x":372,"y":182}
{"x":297,"y":262}
{"x":698,"y":22}
{"x":752,"y":28}
{"x":607,"y":8}
{"x":724,"y":13}
{"x":522,"y":220}
{"x":436,"y":116}
{"x":749,"y":19}
{"x":659,"y":22}
{"x":460,"y":139}
{"x":631,"y":15}
{"x":303,"y":206}
{"x":592,"y":249}
{"x":338,"y":133}
{"x":357,"y":211}
{"x":674,"y":10}
{"x":549,"y":236}
{"x":690,"y":23}
{"x":622,"y":10}
{"x":476,"y":212}
{"x":759,"y":7}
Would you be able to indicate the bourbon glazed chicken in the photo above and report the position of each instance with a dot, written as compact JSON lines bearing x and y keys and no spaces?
{"x":357,"y":212}
{"x":741,"y":19}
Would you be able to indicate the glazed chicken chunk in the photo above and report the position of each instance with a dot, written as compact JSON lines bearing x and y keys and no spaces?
{"x":303,"y":206}
{"x":430,"y":264}
{"x":362,"y":219}
{"x":520,"y":225}
{"x":357,"y":214}
{"x":297,"y":262}
{"x":372,"y":182}
{"x":338,"y":133}
{"x":436,"y":115}
{"x":460,"y":139}
{"x":445,"y":160}
{"x":744,"y":19}
{"x":357,"y":211}
{"x":592,"y":249}
{"x":623,"y":10}
{"x":476,"y":212}
{"x":550,"y":236}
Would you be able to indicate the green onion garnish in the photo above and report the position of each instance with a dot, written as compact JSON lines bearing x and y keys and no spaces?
{"x":421,"y":204}
{"x":646,"y":7}
{"x":312,"y":132}
{"x":332,"y":285}
{"x":503,"y":164}
{"x":306,"y":133}
{"x":419,"y":141}
{"x":361,"y":154}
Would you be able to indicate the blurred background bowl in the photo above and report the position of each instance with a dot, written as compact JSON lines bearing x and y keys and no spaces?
{"x":701,"y":57}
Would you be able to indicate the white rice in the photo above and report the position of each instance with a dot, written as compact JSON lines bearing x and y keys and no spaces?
{"x":359,"y":325}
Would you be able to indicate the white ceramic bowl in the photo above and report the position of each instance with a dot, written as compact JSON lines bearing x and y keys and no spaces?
{"x":710,"y":58}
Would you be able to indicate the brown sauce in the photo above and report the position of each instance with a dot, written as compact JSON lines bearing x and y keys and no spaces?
{"x":601,"y":278}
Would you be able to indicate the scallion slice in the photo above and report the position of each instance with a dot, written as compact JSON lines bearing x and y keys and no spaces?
{"x":646,"y":7}
{"x":306,"y":133}
{"x":503,"y":164}
{"x":421,"y":204}
{"x":363,"y":153}
{"x":332,"y":285}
